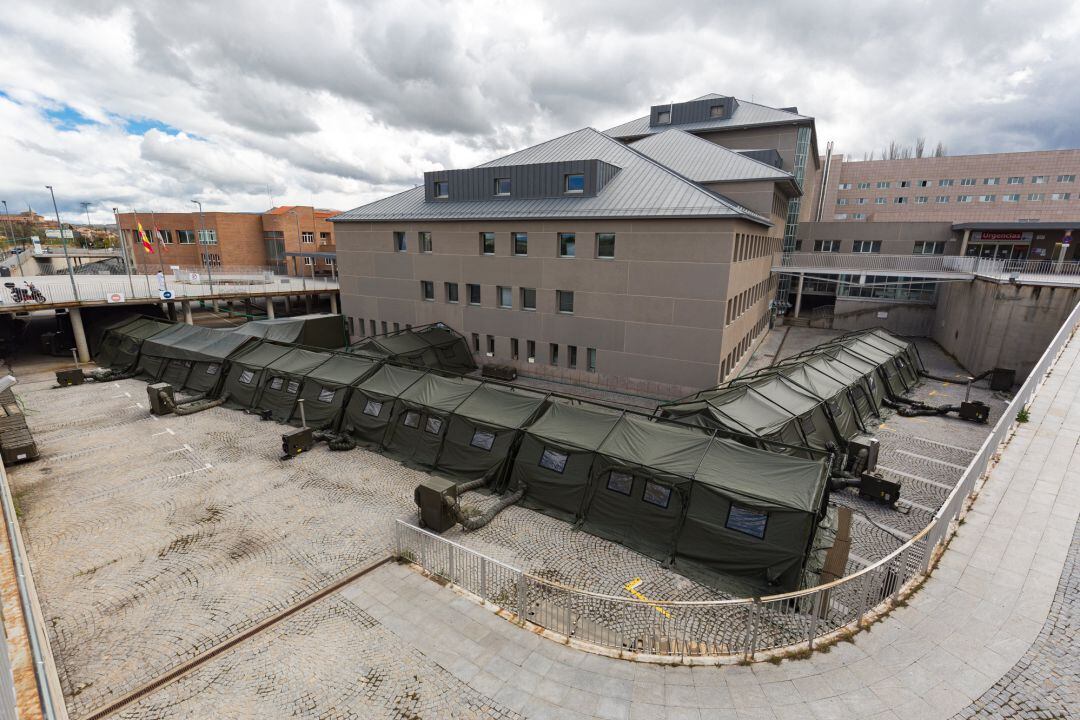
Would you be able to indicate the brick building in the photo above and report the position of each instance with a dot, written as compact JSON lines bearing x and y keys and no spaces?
{"x":291,"y":240}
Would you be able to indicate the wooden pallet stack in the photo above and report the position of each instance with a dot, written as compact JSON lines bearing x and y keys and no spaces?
{"x":16,"y":442}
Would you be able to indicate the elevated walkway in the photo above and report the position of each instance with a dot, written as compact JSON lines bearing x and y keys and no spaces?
{"x":930,"y":267}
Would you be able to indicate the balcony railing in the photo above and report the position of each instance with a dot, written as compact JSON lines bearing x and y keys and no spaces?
{"x":917,"y":265}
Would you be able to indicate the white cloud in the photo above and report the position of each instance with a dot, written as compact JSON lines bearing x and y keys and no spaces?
{"x":338,"y":103}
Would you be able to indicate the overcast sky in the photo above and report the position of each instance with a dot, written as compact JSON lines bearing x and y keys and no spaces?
{"x":149,"y":104}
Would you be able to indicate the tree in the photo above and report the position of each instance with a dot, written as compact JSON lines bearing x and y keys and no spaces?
{"x":940,"y":150}
{"x":920,"y":146}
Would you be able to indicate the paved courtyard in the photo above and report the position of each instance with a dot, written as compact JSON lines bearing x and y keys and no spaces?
{"x":154,"y":540}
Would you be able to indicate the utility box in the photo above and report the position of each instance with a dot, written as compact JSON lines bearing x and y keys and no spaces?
{"x":873,"y":486}
{"x":429,"y":497}
{"x":857,"y":445}
{"x":158,"y":406}
{"x":297,"y":441}
{"x":974,"y":411}
{"x":17,"y":446}
{"x":67,"y":378}
{"x":1002,"y":379}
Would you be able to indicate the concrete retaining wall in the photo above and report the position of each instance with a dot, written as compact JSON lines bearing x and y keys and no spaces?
{"x":904,"y":319}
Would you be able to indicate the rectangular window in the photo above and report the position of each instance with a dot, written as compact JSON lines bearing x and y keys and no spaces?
{"x":553,"y":460}
{"x":513,"y":348}
{"x":324,"y":237}
{"x":1066,"y":178}
{"x":605,"y":245}
{"x":963,"y":198}
{"x":433,"y":425}
{"x":883,"y":185}
{"x":505,"y":299}
{"x":521,"y":243}
{"x":372,"y":327}
{"x":620,"y":482}
{"x":276,"y":383}
{"x":411,"y":419}
{"x":842,"y":201}
{"x":864,"y":186}
{"x":921,"y":200}
{"x":474,"y":293}
{"x":1035,"y":196}
{"x":487,"y":243}
{"x":166,"y":237}
{"x":1060,"y":196}
{"x":941,"y":199}
{"x":528,"y":298}
{"x":309,"y":261}
{"x":425,"y":241}
{"x":384,"y":330}
{"x":399,"y":242}
{"x":567,"y":244}
{"x":212,"y":369}
{"x":590,"y":359}
{"x":1016,"y":180}
{"x":483,"y":440}
{"x":565,"y":300}
{"x":553,"y":353}
{"x":840,"y":216}
{"x":1011,"y":198}
{"x":502,"y":186}
{"x":373,"y":408}
{"x":247,"y":376}
{"x":326,"y":395}
{"x":397,"y":327}
{"x":923,"y":183}
{"x":427,"y":290}
{"x":866,"y":246}
{"x":571,"y":356}
{"x":880,"y":201}
{"x":574,"y":183}
{"x":904,"y":183}
{"x":858,"y":216}
{"x":490,"y":345}
{"x":860,"y":201}
{"x":451,"y":292}
{"x":826,"y":246}
{"x":293,"y":387}
{"x":901,"y":201}
{"x":307,"y":238}
{"x":929,"y":248}
{"x":747,"y":521}
{"x":1038,"y":179}
{"x":987,"y":198}
{"x":991,"y":181}
{"x":663,"y":117}
{"x":843,"y":186}
{"x":476,"y":342}
{"x":944,"y":183}
{"x":185,"y":237}
{"x":967,"y":181}
{"x":329,"y":262}
{"x":716,"y":111}
{"x":208,"y":237}
{"x":441,"y":189}
{"x":656,"y":494}
{"x":530,"y":350}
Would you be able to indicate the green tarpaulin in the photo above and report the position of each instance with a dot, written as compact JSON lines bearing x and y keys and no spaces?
{"x":326,"y":389}
{"x":318,"y":331}
{"x":121,"y":345}
{"x":370,"y":407}
{"x":246,"y":370}
{"x":432,"y":346}
{"x":420,"y":416}
{"x":189,"y":357}
{"x":280,"y":385}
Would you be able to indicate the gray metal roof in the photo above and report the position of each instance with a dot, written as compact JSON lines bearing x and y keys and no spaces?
{"x":703,"y":161}
{"x":747,"y":113}
{"x":642,"y":188}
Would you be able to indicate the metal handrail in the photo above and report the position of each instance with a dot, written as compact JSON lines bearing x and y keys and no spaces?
{"x":892,"y":573}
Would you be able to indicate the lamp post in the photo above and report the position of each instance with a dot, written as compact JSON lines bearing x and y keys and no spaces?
{"x":63,"y":241}
{"x":89,"y":227}
{"x":205,"y":256}
{"x":11,"y":232}
{"x":123,"y":251}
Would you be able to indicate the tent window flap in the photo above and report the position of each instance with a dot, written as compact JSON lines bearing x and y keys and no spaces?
{"x":656,"y":494}
{"x":553,"y":460}
{"x":622,"y":483}
{"x":482,"y":439}
{"x":747,"y":521}
{"x":373,"y":408}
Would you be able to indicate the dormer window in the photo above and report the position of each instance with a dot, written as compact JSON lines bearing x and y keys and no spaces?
{"x":716,"y":111}
{"x":502,"y":186}
{"x":663,"y":117}
{"x":574,"y":183}
{"x":441,"y":189}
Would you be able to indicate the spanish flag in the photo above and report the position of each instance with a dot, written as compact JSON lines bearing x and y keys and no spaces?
{"x":146,"y":244}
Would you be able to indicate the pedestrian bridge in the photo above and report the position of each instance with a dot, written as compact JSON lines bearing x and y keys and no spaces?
{"x":930,"y":267}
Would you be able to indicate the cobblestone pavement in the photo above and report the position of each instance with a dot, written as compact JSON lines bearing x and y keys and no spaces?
{"x":1046,"y":681}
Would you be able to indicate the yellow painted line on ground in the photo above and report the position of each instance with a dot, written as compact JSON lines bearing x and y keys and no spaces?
{"x":631,"y":587}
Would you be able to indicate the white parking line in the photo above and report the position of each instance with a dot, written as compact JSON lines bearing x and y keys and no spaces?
{"x":919,"y":478}
{"x":935,"y":460}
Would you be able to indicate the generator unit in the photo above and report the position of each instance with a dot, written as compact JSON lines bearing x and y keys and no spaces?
{"x":974,"y":411}
{"x":873,"y":486}
{"x":67,"y":378}
{"x":296,"y":441}
{"x":1002,"y":379}
{"x":158,"y":406}
{"x":429,"y":498}
{"x":868,"y":443}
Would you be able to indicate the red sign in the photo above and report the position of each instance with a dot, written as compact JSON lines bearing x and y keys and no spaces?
{"x":1000,"y":236}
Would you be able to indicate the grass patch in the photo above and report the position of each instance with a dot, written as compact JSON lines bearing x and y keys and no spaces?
{"x":1023,"y":416}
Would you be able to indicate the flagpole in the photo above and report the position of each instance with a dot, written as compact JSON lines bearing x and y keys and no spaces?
{"x":157,"y":239}
{"x":123,"y":250}
{"x":142,"y":240}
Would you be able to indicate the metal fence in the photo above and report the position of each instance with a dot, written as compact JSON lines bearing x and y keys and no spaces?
{"x":938,"y":264}
{"x":738,"y":627}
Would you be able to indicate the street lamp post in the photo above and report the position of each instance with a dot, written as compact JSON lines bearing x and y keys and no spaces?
{"x":205,"y":255}
{"x":89,"y":227}
{"x":11,"y":232}
{"x":63,"y":241}
{"x":123,"y":250}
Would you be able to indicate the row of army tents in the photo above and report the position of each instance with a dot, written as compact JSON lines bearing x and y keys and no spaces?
{"x":704,"y":500}
{"x":816,"y":400}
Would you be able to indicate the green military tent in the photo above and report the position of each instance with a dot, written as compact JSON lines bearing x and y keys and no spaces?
{"x":370,"y":408}
{"x":433,"y":346}
{"x":176,"y":354}
{"x":821,"y":366}
{"x":421,"y":412}
{"x":833,"y":391}
{"x":484,"y":430}
{"x":325,"y":391}
{"x":121,"y":344}
{"x":246,"y":371}
{"x":318,"y":331}
{"x":280,"y":385}
{"x":906,"y":354}
{"x":883,"y":360}
{"x":555,"y":458}
{"x":840,"y":357}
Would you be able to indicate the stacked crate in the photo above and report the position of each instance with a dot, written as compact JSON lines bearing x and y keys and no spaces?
{"x":16,"y":442}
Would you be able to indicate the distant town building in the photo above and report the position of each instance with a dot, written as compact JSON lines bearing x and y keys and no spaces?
{"x":292,"y":240}
{"x":637,"y":259}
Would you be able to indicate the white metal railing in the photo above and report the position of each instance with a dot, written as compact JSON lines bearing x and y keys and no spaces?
{"x":738,"y":627}
{"x":1026,"y":269}
{"x":47,"y":290}
{"x":875,"y":261}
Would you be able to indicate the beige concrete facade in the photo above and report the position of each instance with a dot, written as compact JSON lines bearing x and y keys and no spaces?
{"x":852,"y":193}
{"x":675,"y":310}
